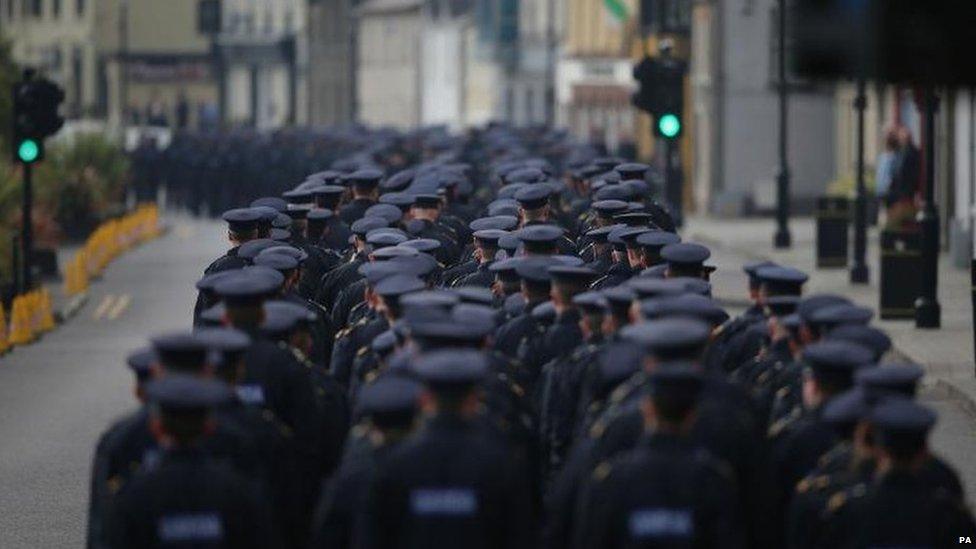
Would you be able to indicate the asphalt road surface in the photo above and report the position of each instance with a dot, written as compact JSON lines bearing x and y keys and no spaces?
{"x":57,"y":395}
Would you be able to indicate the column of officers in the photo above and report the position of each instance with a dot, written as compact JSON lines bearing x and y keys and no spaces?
{"x":500,"y":340}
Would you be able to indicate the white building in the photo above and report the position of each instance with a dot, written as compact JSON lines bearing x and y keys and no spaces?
{"x":388,"y":75}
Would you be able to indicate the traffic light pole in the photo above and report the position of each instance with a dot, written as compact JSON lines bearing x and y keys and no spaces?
{"x":859,"y":270}
{"x":26,"y":230}
{"x":673,"y":184}
{"x":782,"y":237}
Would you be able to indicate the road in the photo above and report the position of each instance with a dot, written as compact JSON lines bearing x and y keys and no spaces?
{"x":57,"y":395}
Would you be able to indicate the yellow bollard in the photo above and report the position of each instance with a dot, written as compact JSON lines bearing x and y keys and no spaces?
{"x":47,"y":310}
{"x":4,"y":340}
{"x":20,"y":330}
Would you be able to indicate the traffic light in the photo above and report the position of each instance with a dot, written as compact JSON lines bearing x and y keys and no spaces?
{"x":671,"y":99}
{"x":36,"y":103}
{"x":645,"y":72}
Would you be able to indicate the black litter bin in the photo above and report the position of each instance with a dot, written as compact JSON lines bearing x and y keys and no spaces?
{"x":833,"y":217}
{"x":901,"y":267}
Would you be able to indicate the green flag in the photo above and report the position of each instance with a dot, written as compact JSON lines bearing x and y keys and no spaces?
{"x":617,"y":8}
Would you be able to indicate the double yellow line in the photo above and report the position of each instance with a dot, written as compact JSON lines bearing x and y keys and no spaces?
{"x":112,"y":306}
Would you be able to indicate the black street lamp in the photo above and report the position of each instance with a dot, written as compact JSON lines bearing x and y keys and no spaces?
{"x":859,"y":270}
{"x":928,"y":313}
{"x":782,"y":237}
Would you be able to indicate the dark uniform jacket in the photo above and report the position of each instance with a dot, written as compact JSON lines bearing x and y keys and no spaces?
{"x":354,"y":210}
{"x":448,"y":486}
{"x":188,"y":501}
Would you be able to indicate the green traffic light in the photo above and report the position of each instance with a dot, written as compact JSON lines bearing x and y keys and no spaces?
{"x":28,"y":151}
{"x":669,"y":125}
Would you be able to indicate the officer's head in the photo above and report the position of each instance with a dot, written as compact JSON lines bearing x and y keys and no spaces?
{"x":141,"y":362}
{"x":829,"y":368}
{"x":290,"y":323}
{"x":181,"y":408}
{"x":244,"y":294}
{"x":452,"y":379}
{"x":181,"y":353}
{"x":669,"y":340}
{"x":426,"y":206}
{"x":620,"y":300}
{"x":229,"y":346}
{"x":686,"y":259}
{"x":389,"y":406}
{"x":242,"y":224}
{"x":536,"y":282}
{"x":901,"y":427}
{"x":592,"y":307}
{"x":672,"y":397}
{"x":567,"y":283}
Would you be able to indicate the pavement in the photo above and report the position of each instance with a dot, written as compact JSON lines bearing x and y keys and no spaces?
{"x":58,"y":394}
{"x":945,"y":353}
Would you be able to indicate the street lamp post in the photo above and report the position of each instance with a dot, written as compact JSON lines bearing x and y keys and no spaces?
{"x":859,"y":270}
{"x":782,"y":237}
{"x":928,"y":313}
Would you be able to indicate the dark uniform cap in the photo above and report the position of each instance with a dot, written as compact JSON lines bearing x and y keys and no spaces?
{"x":207,"y":283}
{"x":587,"y":171}
{"x":268,"y":214}
{"x":489,"y":236}
{"x":365,"y":177}
{"x":836,"y":358}
{"x":509,"y":243}
{"x":451,"y":368}
{"x":284,"y":317}
{"x":223,"y":339}
{"x":525,"y":175}
{"x":632,"y":170}
{"x":277,"y":261}
{"x":835,"y":315}
{"x":184,"y":392}
{"x":685,"y":305}
{"x":634,"y":219}
{"x":479,"y":317}
{"x":383,"y":240}
{"x":280,"y":235}
{"x":668,"y":334}
{"x":782,"y":305}
{"x":378,"y":270}
{"x":751,"y":267}
{"x":249,"y":286}
{"x":564,"y":274}
{"x":443,"y":299}
{"x":299,"y":254}
{"x":694,"y":285}
{"x":181,"y":350}
{"x":474,"y":294}
{"x":325,"y":176}
{"x":320,"y":214}
{"x":242,"y":219}
{"x":601,"y":234}
{"x":616,"y":363}
{"x":619,"y":296}
{"x":590,"y":301}
{"x":811,"y":304}
{"x":425,"y":245}
{"x":781,"y":279}
{"x":535,"y":196}
{"x":508,"y":191}
{"x":647,"y":288}
{"x":506,"y":268}
{"x":389,"y":212}
{"x":503,"y":207}
{"x":275,"y":202}
{"x":389,"y":395}
{"x":613,"y":192}
{"x":390,"y":252}
{"x":365,"y":224}
{"x":402,"y":201}
{"x":426,"y":200}
{"x":298,"y":196}
{"x":140,"y":361}
{"x":623,"y":234}
{"x":281,"y":221}
{"x":685,"y":253}
{"x":399,"y":181}
{"x":214,"y":316}
{"x":544,"y":312}
{"x":902,"y":416}
{"x":657,"y":239}
{"x":534,"y":270}
{"x":399,"y":284}
{"x":328,"y":191}
{"x":498,"y":222}
{"x":539,"y":233}
{"x":848,"y":407}
{"x":868,"y":336}
{"x":791,"y":322}
{"x":609,"y":208}
{"x":639,"y":187}
{"x":900,"y":379}
{"x":657,"y":271}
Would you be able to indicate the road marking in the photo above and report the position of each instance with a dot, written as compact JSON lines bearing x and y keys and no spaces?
{"x":103,"y":307}
{"x":120,"y":306}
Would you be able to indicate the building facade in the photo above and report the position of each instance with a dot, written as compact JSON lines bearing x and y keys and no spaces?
{"x":388,"y":74}
{"x":58,"y":37}
{"x":594,"y":75}
{"x":332,"y":43}
{"x":735,"y":116}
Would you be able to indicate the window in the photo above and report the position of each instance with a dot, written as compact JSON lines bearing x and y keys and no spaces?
{"x":56,"y":8}
{"x":80,"y":7}
{"x":36,"y":7}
